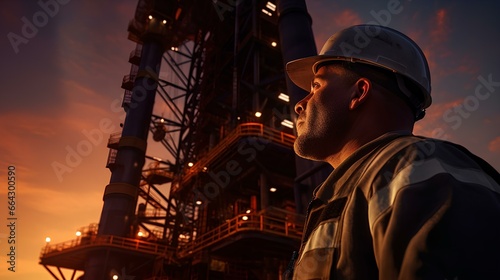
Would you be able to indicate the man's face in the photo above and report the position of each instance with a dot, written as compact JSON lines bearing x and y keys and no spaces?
{"x":323,"y":121}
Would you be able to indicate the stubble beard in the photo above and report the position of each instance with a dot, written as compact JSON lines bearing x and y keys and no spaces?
{"x":311,"y":145}
{"x":318,"y":141}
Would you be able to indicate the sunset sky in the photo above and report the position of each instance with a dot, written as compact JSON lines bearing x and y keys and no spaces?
{"x":61,"y":83}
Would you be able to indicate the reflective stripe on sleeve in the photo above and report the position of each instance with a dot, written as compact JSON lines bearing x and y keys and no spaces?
{"x":322,"y":237}
{"x":422,"y":171}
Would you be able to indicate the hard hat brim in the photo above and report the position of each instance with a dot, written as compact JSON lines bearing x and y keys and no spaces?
{"x":301,"y":71}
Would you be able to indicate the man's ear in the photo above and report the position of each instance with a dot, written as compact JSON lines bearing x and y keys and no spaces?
{"x":361,"y":91}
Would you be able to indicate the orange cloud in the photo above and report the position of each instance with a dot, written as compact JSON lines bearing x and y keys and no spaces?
{"x":332,"y":23}
{"x":125,"y":9}
{"x":434,"y":46}
{"x":347,"y":18}
{"x":494,"y":145}
{"x":467,"y":68}
{"x":437,"y":49}
{"x":440,"y":29}
{"x":432,"y":125}
{"x":23,"y":132}
{"x":436,"y":111}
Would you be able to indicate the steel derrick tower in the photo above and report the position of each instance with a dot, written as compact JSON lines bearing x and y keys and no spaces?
{"x":204,"y":181}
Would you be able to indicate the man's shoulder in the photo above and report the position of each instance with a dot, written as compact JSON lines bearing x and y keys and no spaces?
{"x":416,"y":158}
{"x":417,"y":150}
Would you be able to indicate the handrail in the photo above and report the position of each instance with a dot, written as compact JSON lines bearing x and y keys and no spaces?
{"x":280,"y":223}
{"x":154,"y":213}
{"x":111,"y":157}
{"x":114,"y":138}
{"x":91,"y":229}
{"x":135,"y":53}
{"x":128,"y":78}
{"x":291,"y":226}
{"x":105,"y":240}
{"x":127,"y":97}
{"x":242,"y":130}
{"x":154,"y":168}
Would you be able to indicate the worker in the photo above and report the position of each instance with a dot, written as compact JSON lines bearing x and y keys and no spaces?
{"x":396,"y":206}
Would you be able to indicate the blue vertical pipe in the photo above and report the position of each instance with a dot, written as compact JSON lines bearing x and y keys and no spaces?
{"x":120,"y":196}
{"x":119,"y":207}
{"x":296,"y":38}
{"x":297,"y":41}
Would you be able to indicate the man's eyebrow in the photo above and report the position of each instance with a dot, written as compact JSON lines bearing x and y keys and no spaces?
{"x":319,"y":77}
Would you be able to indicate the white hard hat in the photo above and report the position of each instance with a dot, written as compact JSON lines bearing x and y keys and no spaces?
{"x":373,"y":45}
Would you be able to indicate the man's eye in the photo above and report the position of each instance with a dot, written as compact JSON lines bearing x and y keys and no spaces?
{"x":314,"y":85}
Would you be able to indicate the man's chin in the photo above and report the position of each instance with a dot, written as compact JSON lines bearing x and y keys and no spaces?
{"x":304,"y":151}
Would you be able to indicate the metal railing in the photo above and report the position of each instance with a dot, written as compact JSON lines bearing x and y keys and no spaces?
{"x":114,"y":139}
{"x":154,"y":168}
{"x":105,"y":240}
{"x":128,"y":79}
{"x":111,"y":158}
{"x":274,"y":222}
{"x":289,"y":226}
{"x":154,"y":213}
{"x":136,"y":53}
{"x":242,"y":130}
{"x":127,"y":99}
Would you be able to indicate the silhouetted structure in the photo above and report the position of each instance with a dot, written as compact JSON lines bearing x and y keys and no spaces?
{"x":222,"y":202}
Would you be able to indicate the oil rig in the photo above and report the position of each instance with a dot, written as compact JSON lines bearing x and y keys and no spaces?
{"x":226,"y":197}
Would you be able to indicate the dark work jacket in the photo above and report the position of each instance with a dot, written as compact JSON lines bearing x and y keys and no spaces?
{"x":404,"y":207}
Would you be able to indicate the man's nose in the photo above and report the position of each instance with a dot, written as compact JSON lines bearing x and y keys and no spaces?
{"x":301,"y":105}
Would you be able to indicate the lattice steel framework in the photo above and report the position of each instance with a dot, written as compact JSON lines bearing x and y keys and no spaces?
{"x":219,"y":145}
